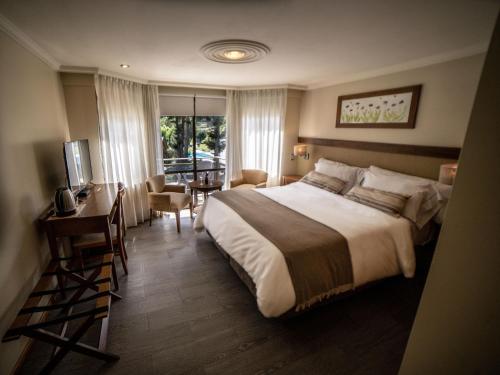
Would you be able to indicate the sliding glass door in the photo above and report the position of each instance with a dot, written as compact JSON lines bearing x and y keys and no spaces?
{"x":179,"y":163}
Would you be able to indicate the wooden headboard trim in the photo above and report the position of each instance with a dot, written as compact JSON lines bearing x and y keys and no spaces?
{"x":433,"y":151}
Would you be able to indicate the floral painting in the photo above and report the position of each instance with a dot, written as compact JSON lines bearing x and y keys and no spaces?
{"x":394,"y":108}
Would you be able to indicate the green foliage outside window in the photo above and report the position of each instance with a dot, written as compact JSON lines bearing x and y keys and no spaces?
{"x":176,"y":135}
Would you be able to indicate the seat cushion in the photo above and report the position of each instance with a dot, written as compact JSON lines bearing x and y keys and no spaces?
{"x":93,"y":239}
{"x":245,"y":186}
{"x":179,"y":200}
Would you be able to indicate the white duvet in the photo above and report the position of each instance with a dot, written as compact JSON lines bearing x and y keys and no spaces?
{"x":380,"y":245}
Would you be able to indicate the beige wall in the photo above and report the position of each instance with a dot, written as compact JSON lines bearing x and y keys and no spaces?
{"x":444,"y":110}
{"x":291,"y":131}
{"x":32,"y":129}
{"x":81,"y":108}
{"x":456,"y":330}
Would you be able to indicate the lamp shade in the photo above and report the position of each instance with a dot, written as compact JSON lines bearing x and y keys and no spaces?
{"x":300,"y":150}
{"x":447,"y":173}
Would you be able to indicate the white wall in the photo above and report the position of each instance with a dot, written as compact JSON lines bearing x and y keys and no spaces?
{"x":445,"y":105}
{"x":456,"y":330}
{"x":32,"y":130}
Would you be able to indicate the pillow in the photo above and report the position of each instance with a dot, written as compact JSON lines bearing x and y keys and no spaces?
{"x":442,"y":190}
{"x":391,"y":203}
{"x":433,"y":197}
{"x":351,"y":175}
{"x":415,"y":192}
{"x":322,"y":181}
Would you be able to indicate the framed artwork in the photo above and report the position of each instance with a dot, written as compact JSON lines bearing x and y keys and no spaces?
{"x":392,"y":108}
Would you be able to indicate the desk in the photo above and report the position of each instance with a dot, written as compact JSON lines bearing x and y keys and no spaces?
{"x":93,"y":215}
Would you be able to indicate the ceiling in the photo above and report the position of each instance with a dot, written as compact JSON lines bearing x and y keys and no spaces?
{"x":313,"y":43}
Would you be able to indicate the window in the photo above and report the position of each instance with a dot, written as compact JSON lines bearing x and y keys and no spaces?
{"x":177,"y":141}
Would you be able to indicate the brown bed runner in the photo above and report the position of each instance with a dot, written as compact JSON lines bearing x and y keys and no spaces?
{"x":317,"y":256}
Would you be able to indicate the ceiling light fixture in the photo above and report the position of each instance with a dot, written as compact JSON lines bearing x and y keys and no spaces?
{"x":235,"y":51}
{"x":125,"y":66}
{"x":235,"y":55}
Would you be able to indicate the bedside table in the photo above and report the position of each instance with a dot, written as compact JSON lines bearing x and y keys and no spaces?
{"x":288,"y":179}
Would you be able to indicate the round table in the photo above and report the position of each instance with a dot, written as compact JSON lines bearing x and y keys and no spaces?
{"x":200,"y":185}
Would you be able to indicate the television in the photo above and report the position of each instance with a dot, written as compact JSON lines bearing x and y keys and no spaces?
{"x":78,"y":166}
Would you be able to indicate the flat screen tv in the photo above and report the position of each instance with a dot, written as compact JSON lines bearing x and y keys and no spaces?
{"x":78,"y":167}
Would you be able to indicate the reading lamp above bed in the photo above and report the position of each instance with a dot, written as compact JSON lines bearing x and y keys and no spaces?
{"x":300,"y":150}
{"x":447,"y":173}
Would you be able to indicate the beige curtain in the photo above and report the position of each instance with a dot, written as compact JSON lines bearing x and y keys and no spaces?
{"x":128,"y":119}
{"x":255,"y":122}
{"x":153,"y":137}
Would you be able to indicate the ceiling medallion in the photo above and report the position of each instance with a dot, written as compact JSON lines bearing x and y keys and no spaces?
{"x":235,"y":51}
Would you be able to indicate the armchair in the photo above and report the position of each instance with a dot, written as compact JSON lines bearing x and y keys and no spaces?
{"x":167,"y":198}
{"x":251,"y":179}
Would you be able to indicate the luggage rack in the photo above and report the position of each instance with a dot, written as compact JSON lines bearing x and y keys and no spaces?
{"x":58,"y":305}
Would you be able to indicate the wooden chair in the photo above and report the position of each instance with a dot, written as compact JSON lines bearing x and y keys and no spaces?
{"x":88,"y":242}
{"x":167,"y":198}
{"x":251,"y":179}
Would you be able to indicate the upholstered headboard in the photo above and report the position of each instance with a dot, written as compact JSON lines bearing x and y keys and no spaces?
{"x":423,"y":161}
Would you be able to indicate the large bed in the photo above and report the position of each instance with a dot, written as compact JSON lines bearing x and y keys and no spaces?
{"x":379,"y":245}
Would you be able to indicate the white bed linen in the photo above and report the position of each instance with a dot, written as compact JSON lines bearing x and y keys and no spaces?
{"x":380,"y":245}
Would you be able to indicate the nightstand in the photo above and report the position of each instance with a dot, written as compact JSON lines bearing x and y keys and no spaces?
{"x":288,"y":179}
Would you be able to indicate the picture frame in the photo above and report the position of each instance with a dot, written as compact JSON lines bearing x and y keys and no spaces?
{"x":383,"y":109}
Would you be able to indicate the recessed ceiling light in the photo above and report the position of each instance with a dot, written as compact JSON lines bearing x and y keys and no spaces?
{"x":234,"y":51}
{"x":125,"y":66}
{"x":234,"y":54}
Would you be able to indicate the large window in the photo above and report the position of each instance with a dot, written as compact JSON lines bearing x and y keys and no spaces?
{"x":178,"y":146}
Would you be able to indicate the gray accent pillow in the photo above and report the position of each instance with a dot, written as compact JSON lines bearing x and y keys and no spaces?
{"x":323,"y":181}
{"x":391,"y":203}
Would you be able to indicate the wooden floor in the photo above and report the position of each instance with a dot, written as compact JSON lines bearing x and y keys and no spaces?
{"x":185,"y":311}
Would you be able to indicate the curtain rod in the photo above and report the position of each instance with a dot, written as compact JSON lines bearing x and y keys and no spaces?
{"x":193,"y":95}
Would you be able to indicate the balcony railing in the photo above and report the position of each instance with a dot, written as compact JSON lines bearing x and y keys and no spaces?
{"x":181,"y":170}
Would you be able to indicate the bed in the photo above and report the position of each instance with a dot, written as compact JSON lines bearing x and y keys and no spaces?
{"x":379,"y":245}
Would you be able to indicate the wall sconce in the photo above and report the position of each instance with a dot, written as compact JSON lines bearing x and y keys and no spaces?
{"x":300,"y":150}
{"x":447,"y":173}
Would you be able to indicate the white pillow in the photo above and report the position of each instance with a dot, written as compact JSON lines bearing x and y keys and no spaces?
{"x":434,"y":199}
{"x":351,"y":175}
{"x":392,"y":184}
{"x":442,"y":189}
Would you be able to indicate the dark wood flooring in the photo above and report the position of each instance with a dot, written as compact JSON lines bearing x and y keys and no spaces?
{"x":184,"y":311}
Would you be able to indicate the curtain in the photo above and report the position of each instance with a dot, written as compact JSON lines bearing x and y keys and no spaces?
{"x":129,"y":149}
{"x":153,"y":137}
{"x":255,"y":122}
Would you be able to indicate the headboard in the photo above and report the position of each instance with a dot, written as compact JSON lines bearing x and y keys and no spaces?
{"x":423,"y":161}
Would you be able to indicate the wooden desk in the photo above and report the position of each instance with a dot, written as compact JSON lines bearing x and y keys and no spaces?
{"x":93,"y":215}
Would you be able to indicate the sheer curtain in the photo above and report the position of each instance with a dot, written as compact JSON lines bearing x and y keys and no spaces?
{"x":128,"y":119}
{"x":255,"y":121}
{"x":153,"y":137}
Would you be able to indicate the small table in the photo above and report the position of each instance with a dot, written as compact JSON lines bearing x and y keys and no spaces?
{"x":204,"y":188}
{"x":288,"y":179}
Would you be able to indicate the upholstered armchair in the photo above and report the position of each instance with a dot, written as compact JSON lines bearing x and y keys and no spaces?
{"x":167,"y":198}
{"x":251,"y":178}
